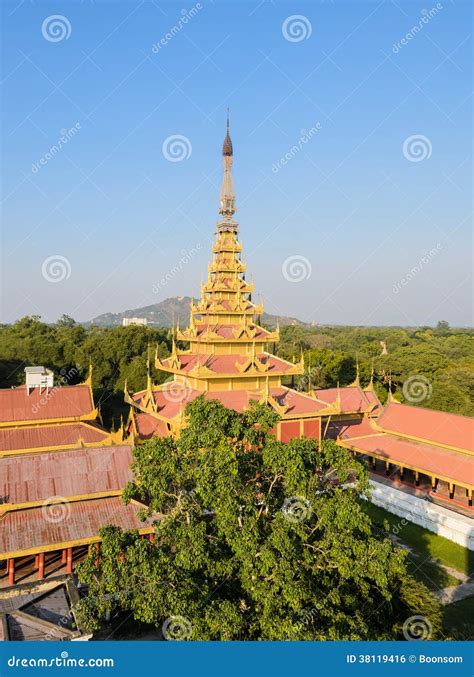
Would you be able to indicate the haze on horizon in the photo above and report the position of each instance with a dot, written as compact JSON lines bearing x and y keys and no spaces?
{"x":352,"y":163}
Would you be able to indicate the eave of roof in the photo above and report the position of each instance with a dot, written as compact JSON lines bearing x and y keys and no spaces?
{"x":37,"y":437}
{"x":435,"y":427}
{"x":27,"y":532}
{"x":439,"y":462}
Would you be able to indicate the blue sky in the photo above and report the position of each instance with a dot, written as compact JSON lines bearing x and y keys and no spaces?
{"x":379,"y":223}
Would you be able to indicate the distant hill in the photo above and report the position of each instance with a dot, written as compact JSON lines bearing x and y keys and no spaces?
{"x":169,"y":312}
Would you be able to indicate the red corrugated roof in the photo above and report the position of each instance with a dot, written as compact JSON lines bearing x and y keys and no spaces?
{"x":226,"y":364}
{"x":44,"y":436}
{"x":34,"y":528}
{"x":373,"y":399}
{"x":225,"y":304}
{"x":430,"y":459}
{"x":75,"y":472}
{"x":436,"y":426}
{"x":353,"y":398}
{"x":59,"y":402}
{"x":350,"y":428}
{"x":148,"y":426}
{"x":297,"y":402}
{"x":172,"y":397}
{"x":227,"y":330}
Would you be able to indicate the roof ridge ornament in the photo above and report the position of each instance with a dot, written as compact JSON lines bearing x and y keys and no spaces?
{"x":356,"y":382}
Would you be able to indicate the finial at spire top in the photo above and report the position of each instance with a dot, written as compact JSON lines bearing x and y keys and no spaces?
{"x":227,"y":149}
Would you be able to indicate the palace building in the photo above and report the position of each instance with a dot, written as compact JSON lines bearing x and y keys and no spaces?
{"x":43,"y":416}
{"x":228,"y":359}
{"x":62,"y":474}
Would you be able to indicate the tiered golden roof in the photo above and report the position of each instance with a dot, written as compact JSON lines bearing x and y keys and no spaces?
{"x":229,"y":354}
{"x":228,"y":348}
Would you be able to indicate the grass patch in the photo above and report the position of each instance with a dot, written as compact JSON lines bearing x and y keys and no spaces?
{"x":458,"y":620}
{"x":426,"y":546}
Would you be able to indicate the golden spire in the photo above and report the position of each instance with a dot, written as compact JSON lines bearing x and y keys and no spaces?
{"x":356,"y":381}
{"x":390,"y":397}
{"x":227,"y":207}
{"x":126,"y":394}
{"x":227,"y":149}
{"x":88,"y":380}
{"x":148,"y":375}
{"x":371,"y":382}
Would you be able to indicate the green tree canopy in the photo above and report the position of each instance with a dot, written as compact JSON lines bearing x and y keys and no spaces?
{"x":257,"y":540}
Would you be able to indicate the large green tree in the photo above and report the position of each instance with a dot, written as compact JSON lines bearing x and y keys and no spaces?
{"x":257,"y":540}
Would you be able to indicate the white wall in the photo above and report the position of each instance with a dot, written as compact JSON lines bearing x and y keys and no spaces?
{"x":441,"y":521}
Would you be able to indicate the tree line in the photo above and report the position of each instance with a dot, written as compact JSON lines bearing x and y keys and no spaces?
{"x":443,"y":356}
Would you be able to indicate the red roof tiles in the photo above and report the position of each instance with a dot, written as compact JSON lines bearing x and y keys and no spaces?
{"x":432,"y":460}
{"x":353,"y":398}
{"x":226,"y":364}
{"x":76,"y":472}
{"x":373,"y":399}
{"x":227,"y":330}
{"x":426,"y":424}
{"x":209,"y":306}
{"x":44,"y":436}
{"x":36,"y":528}
{"x":148,"y":426}
{"x":58,"y":402}
{"x":172,"y":397}
{"x":346,"y":429}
